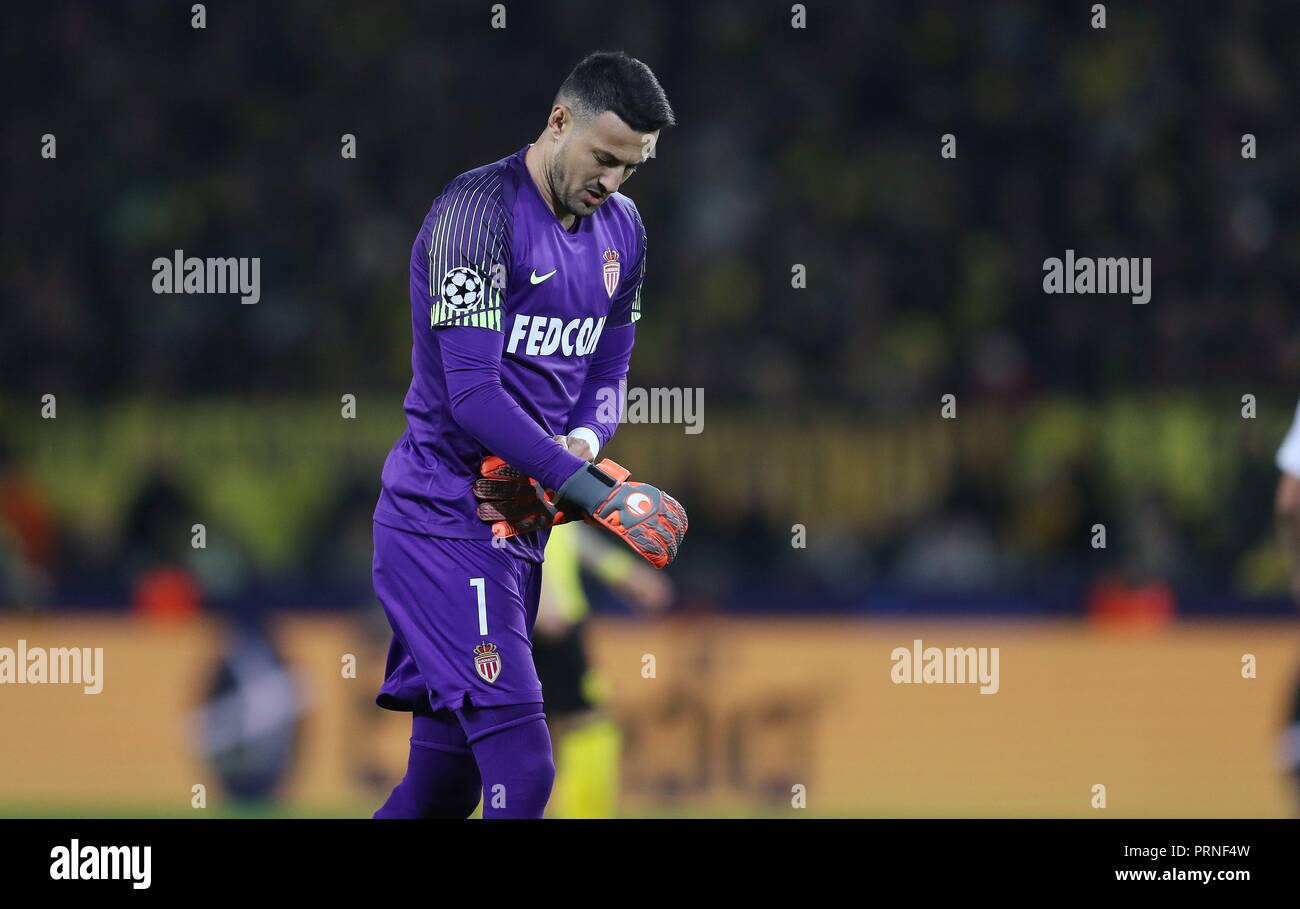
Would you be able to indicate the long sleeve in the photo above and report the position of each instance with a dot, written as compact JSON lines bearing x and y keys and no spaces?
{"x":483,"y":408}
{"x":469,"y":256}
{"x":600,"y":400}
{"x":599,"y":404}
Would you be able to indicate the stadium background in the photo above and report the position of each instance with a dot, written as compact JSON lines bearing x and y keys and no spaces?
{"x":815,"y":146}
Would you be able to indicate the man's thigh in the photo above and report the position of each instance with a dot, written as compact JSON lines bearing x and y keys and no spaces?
{"x":461,"y":613}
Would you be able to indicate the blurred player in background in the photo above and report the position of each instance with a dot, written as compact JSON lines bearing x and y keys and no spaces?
{"x":587,"y":741}
{"x":1287,"y":513}
{"x":525,"y":286}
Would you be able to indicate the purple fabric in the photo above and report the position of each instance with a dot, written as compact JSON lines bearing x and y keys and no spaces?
{"x":471,"y":359}
{"x":602,"y":391}
{"x":442,"y":778}
{"x":429,"y":590}
{"x":513,"y":749}
{"x":501,"y":754}
{"x":545,"y":299}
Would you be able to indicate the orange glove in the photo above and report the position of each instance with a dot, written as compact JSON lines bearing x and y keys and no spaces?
{"x":511,"y":502}
{"x":644,"y":517}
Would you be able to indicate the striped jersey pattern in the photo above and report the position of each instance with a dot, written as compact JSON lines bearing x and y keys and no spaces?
{"x":471,"y":232}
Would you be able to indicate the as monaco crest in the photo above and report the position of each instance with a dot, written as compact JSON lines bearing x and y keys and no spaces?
{"x":611,"y":271}
{"x":487,"y":662}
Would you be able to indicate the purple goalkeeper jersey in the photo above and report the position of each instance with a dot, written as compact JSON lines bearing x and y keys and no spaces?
{"x":522,"y":330}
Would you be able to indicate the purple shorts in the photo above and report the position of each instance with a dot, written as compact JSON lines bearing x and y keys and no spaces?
{"x":462,"y":614}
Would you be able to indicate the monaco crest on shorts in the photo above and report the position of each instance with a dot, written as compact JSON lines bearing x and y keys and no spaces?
{"x":487,"y":662}
{"x":612,"y":269}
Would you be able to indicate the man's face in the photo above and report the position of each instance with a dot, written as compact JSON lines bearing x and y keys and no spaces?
{"x":595,"y":158}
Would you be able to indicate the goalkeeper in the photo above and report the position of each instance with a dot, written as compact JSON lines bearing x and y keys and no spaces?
{"x":525,"y":287}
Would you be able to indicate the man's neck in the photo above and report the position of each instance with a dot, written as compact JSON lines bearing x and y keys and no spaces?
{"x":533,"y":161}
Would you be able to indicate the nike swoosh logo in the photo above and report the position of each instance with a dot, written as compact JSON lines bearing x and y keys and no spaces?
{"x":538,"y":280}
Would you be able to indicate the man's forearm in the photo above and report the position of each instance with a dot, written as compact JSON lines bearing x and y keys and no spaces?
{"x":484,"y":409}
{"x":599,"y":404}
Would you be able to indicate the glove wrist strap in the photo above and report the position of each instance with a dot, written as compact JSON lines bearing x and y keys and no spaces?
{"x":585,"y":490}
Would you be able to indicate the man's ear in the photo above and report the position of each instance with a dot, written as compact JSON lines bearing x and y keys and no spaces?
{"x":560,"y":120}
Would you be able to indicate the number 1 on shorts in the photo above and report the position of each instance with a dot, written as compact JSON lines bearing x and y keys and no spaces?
{"x":482,"y":604}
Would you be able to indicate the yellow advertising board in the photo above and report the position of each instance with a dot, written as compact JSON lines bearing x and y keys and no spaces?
{"x":726,"y":716}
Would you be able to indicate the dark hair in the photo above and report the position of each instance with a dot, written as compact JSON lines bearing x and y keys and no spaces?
{"x":613,"y":81}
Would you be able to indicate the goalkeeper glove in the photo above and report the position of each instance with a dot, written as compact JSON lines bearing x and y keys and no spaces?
{"x":512,"y":502}
{"x":649,"y":520}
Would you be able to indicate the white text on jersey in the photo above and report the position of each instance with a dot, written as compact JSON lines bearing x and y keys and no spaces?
{"x":544,"y":335}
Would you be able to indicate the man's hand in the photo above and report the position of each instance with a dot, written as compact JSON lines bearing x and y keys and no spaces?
{"x":511,"y":502}
{"x":646,"y":590}
{"x":577,"y":446}
{"x":515,"y":504}
{"x":644,"y":517}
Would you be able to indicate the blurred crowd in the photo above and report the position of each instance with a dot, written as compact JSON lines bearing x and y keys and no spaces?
{"x":815,"y":147}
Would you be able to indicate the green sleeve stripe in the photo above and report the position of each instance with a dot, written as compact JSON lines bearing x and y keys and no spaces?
{"x":486,"y":316}
{"x":469,"y":233}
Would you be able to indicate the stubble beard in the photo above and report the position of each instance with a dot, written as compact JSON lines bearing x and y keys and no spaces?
{"x":556,"y":176}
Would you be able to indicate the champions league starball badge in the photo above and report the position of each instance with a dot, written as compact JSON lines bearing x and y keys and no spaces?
{"x":462,"y":289}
